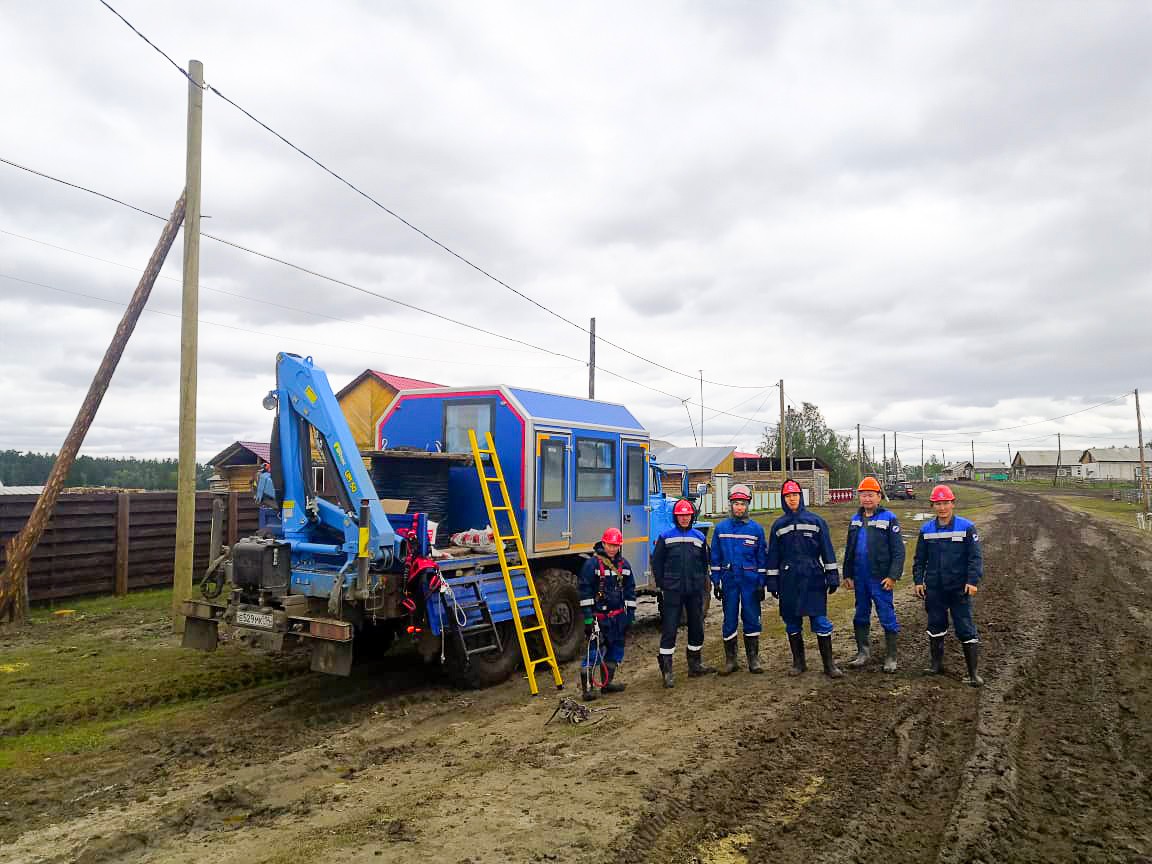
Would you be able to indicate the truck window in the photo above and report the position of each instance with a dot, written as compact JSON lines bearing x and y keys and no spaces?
{"x":552,"y":480}
{"x":595,"y":470}
{"x":459,"y":417}
{"x":634,"y":468}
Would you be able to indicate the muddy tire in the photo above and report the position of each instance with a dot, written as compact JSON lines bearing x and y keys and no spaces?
{"x":560,"y":602}
{"x":482,"y":670}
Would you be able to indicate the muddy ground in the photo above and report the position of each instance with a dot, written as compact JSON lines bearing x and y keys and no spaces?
{"x":1048,"y":763}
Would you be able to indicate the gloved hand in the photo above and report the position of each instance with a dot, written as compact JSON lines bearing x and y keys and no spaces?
{"x":717,"y":591}
{"x":832,"y":588}
{"x":760,"y":594}
{"x":589,"y":628}
{"x":775,"y":595}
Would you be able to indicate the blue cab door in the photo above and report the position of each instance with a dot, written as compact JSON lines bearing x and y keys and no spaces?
{"x":553,"y":515}
{"x":634,"y":505}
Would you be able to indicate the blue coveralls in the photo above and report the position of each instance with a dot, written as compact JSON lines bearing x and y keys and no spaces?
{"x":738,"y":567}
{"x":680,"y":569}
{"x":802,"y":569}
{"x":265,"y":495}
{"x":607,"y":596}
{"x":948,"y":557}
{"x":874,"y":552}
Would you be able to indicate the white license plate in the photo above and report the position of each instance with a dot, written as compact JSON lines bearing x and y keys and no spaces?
{"x":254,"y":619}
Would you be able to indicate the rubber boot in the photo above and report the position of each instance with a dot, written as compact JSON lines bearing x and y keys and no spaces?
{"x":935,"y":655}
{"x":796,"y":643}
{"x":665,"y":661}
{"x":731,"y":664}
{"x":752,"y":649}
{"x":830,"y":668}
{"x":972,"y":658}
{"x":610,"y":685}
{"x":696,"y":666}
{"x":863,"y":648}
{"x":890,"y":639}
{"x":587,"y":690}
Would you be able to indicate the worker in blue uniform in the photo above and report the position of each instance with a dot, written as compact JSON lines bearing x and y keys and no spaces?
{"x":947,"y":569}
{"x":873,"y":564}
{"x":738,"y":573}
{"x":265,"y":495}
{"x":802,"y":571}
{"x":680,"y":569}
{"x":608,"y":600}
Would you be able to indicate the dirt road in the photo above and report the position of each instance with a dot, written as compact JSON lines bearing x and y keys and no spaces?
{"x":1049,"y":763}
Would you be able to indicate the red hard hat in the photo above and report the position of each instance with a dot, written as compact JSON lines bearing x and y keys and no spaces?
{"x":740,"y":492}
{"x":789,"y":487}
{"x":942,"y":493}
{"x":613,"y":536}
{"x":683,"y":507}
{"x":869,"y":484}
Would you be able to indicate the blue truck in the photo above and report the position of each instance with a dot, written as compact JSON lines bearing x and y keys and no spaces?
{"x":336,"y":573}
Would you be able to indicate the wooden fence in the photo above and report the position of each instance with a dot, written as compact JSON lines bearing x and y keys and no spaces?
{"x":113,"y":542}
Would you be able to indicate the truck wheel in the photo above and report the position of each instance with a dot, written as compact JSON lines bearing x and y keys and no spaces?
{"x":482,"y":670}
{"x":560,"y":602}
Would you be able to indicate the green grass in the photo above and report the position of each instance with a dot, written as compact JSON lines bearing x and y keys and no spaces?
{"x":1117,"y":511}
{"x":151,"y":601}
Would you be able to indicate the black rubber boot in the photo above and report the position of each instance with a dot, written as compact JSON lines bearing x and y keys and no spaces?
{"x":830,"y":667}
{"x":863,"y":648}
{"x":587,"y":691}
{"x":752,"y":649}
{"x":611,"y":685}
{"x":731,"y":663}
{"x":796,"y":643}
{"x":935,"y":655}
{"x":665,"y":661}
{"x":890,"y":639}
{"x":696,"y":666}
{"x":972,"y":658}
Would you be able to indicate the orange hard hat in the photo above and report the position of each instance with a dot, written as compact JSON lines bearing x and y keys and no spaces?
{"x":942,"y":493}
{"x":869,"y":484}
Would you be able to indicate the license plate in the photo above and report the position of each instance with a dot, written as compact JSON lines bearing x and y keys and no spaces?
{"x":254,"y":619}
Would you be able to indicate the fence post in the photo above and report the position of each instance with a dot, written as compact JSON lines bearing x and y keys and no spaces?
{"x":233,"y":517}
{"x":122,"y":522}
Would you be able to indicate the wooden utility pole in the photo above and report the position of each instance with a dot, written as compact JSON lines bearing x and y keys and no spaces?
{"x":884,"y":452}
{"x":1009,"y":459}
{"x":783,"y":432}
{"x":701,"y":407}
{"x":189,"y":312}
{"x":592,"y":359}
{"x":18,"y":551}
{"x":1059,"y":455}
{"x":859,"y":458}
{"x":1143,"y":467}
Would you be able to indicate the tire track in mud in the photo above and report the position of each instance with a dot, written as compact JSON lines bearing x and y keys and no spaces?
{"x":1049,"y":762}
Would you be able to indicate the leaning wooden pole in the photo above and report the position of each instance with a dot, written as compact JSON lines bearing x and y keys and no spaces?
{"x":18,"y":551}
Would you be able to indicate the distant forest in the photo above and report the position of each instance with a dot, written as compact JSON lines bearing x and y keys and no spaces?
{"x":31,"y":469}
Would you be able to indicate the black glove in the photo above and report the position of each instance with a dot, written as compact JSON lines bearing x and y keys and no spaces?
{"x":589,"y":629}
{"x":832,"y":589}
{"x":775,"y":595}
{"x":717,"y":591}
{"x":760,"y":594}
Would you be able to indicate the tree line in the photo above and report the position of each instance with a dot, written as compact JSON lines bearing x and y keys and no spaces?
{"x":31,"y":469}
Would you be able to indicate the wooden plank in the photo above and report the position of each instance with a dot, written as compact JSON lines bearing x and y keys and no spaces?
{"x":233,"y":518}
{"x":122,"y":528}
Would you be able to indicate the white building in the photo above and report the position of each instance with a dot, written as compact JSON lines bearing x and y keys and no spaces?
{"x":1114,"y":463}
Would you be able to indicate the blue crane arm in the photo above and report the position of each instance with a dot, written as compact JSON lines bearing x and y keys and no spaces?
{"x":305,"y":399}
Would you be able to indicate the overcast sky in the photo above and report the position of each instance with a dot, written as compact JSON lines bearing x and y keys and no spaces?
{"x":922,"y":216}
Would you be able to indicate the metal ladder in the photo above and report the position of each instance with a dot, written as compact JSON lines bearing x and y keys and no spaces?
{"x":486,"y":626}
{"x":505,"y":507}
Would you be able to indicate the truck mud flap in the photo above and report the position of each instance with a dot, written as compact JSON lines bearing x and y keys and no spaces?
{"x":201,"y":634}
{"x":333,"y":658}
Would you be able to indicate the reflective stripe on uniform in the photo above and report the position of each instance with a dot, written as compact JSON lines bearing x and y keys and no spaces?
{"x":667,"y":650}
{"x":937,"y":635}
{"x":883,"y":524}
{"x":715,"y":567}
{"x":694,"y":541}
{"x":738,"y":536}
{"x":730,"y":638}
{"x":856,"y":523}
{"x":782,"y":531}
{"x":773,"y":572}
{"x":832,"y":566}
{"x":690,"y":648}
{"x":757,"y":633}
{"x":944,"y":535}
{"x":810,"y":528}
{"x":631,"y":603}
{"x":587,"y":602}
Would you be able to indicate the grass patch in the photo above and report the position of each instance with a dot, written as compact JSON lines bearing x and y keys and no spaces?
{"x":1117,"y":511}
{"x":153,"y":602}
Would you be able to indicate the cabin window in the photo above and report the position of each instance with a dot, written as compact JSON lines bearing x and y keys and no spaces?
{"x":318,"y":479}
{"x":595,"y":470}
{"x":552,"y":480}
{"x":459,"y":417}
{"x":635,"y":472}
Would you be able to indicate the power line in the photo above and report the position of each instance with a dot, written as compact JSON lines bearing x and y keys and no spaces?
{"x":239,"y":329}
{"x":408,"y":224}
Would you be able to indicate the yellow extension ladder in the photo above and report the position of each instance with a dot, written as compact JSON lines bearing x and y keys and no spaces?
{"x":505,"y":507}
